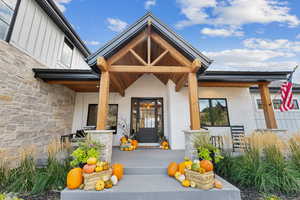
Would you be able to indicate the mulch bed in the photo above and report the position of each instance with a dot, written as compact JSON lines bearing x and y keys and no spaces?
{"x":51,"y":195}
{"x":250,"y":194}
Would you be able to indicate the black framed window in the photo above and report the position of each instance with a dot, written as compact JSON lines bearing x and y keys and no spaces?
{"x":277,"y":103}
{"x":112,"y":121}
{"x":214,"y":112}
{"x":67,"y":53}
{"x":6,"y":13}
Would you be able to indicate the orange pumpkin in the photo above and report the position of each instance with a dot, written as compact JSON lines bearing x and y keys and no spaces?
{"x":172,"y":168}
{"x":74,"y":178}
{"x":118,"y":170}
{"x":206,"y":165}
{"x":181,"y":168}
{"x":134,"y":143}
{"x":88,"y":169}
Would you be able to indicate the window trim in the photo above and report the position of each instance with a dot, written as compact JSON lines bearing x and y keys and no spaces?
{"x":113,"y":104}
{"x":209,"y":100}
{"x":276,"y":110}
{"x":71,"y":45}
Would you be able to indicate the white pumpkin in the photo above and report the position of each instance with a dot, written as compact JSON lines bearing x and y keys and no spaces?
{"x":114,"y":179}
{"x":105,"y":178}
{"x":181,"y":178}
{"x":196,"y":161}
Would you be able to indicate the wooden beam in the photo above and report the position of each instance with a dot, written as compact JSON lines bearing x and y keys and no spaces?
{"x":122,"y":52}
{"x":267,"y":106}
{"x":149,"y":43}
{"x":174,"y":53}
{"x":102,"y":64}
{"x":181,"y":82}
{"x":103,"y":101}
{"x":141,"y":60}
{"x":159,"y":57}
{"x":227,"y":84}
{"x":118,"y":84}
{"x":149,"y":69}
{"x":196,"y":65}
{"x":193,"y":101}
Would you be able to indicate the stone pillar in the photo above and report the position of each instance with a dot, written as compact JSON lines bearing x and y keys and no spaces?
{"x":190,"y":151}
{"x":105,"y":137}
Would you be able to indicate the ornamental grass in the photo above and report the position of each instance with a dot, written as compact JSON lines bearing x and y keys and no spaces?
{"x":267,"y":165}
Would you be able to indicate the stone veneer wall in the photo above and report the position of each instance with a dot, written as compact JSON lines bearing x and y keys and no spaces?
{"x":32,"y":112}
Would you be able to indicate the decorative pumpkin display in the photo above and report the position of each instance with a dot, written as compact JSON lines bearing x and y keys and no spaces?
{"x":108,"y":184}
{"x":181,"y":167}
{"x":98,"y":169}
{"x":100,"y":185}
{"x":123,"y":140}
{"x":188,"y":163}
{"x":186,"y":183}
{"x":165,"y":145}
{"x":114,"y":179}
{"x":88,"y":169}
{"x":172,"y":168}
{"x":118,"y":170}
{"x":207,"y":165}
{"x":201,"y":170}
{"x":74,"y":178}
{"x":91,"y":161}
{"x":218,"y":184}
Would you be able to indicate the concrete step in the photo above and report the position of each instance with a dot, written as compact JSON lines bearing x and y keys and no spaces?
{"x":145,"y":170}
{"x":149,"y":187}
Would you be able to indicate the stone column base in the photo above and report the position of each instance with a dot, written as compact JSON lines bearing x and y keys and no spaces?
{"x":190,"y":135}
{"x":105,"y":137}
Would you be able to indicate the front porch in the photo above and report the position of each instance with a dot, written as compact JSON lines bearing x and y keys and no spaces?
{"x":146,"y":178}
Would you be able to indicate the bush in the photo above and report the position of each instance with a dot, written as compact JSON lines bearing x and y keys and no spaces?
{"x":263,"y":166}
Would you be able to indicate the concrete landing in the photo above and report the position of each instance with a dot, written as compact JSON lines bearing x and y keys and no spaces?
{"x":145,"y":179}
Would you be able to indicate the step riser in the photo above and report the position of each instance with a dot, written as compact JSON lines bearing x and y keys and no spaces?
{"x":224,"y":195}
{"x":145,"y":171}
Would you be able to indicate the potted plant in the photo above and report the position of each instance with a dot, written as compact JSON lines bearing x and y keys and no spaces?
{"x":84,"y":151}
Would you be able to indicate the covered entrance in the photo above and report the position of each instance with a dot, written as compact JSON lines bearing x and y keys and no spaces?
{"x":147,"y":119}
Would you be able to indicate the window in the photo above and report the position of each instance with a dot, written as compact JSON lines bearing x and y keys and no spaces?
{"x":214,"y":112}
{"x":112,"y":121}
{"x":67,"y":53}
{"x":6,"y":14}
{"x":276,"y":104}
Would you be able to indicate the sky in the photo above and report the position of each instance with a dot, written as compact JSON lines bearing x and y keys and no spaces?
{"x":245,"y":34}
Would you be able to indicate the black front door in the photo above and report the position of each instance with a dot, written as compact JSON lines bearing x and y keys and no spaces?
{"x":147,"y":119}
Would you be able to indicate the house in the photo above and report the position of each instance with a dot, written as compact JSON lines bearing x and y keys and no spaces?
{"x":148,"y":77}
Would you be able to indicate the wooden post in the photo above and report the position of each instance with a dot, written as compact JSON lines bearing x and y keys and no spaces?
{"x":267,"y":106}
{"x":103,"y":101}
{"x":193,"y":101}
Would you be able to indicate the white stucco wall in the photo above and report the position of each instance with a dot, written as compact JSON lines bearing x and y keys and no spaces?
{"x":176,"y":108}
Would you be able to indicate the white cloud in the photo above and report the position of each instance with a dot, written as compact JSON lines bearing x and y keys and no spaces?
{"x":149,"y":4}
{"x":282,"y":44}
{"x":221,"y":32}
{"x":245,"y":57}
{"x":61,"y":4}
{"x":92,"y":43}
{"x":116,"y":25}
{"x":234,"y":14}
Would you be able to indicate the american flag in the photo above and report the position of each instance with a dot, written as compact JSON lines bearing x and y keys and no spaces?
{"x":287,"y":95}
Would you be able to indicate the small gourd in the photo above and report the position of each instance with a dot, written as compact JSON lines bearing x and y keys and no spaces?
{"x":185,"y":183}
{"x":108,"y":184}
{"x":193,"y":184}
{"x":181,"y":178}
{"x":100,"y":185}
{"x":177,"y":175}
{"x":114,"y":179}
{"x":88,"y":169}
{"x":218,"y":184}
{"x":91,"y":161}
